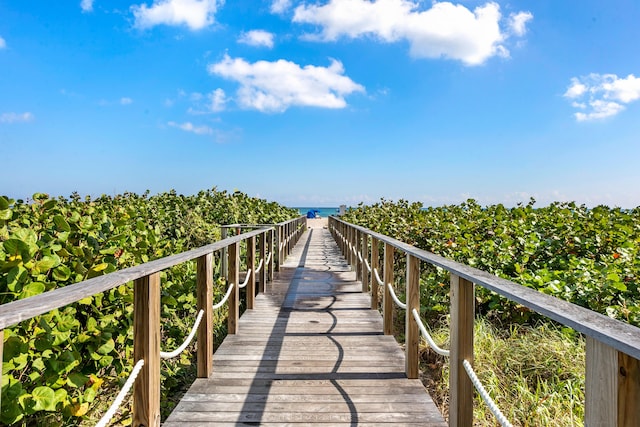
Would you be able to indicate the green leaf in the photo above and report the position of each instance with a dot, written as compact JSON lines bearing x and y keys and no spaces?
{"x":106,"y":348}
{"x":32,"y":289}
{"x":61,"y":273}
{"x":4,"y":203}
{"x":77,"y":380}
{"x":44,"y":399}
{"x":61,"y":223}
{"x":47,"y":263}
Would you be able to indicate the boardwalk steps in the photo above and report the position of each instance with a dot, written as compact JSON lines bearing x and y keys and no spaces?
{"x":311,"y":352}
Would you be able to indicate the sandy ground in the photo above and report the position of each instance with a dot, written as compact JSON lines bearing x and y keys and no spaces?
{"x":317,"y":222}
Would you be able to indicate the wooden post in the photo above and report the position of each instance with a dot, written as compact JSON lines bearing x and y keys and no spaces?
{"x":387,"y":302}
{"x":270,"y":239}
{"x":204,"y":280}
{"x":412,"y":333}
{"x":262,"y":255}
{"x":365,"y":257}
{"x":234,"y":298}
{"x":358,"y":264}
{"x":146,"y":346}
{"x":251,"y":272}
{"x":612,"y":387}
{"x":375,"y":264}
{"x":460,"y":386}
{"x":277,"y":254}
{"x":1,"y":359}
{"x":223,"y":259}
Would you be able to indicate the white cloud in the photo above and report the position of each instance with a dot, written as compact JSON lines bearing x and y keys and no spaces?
{"x":126,"y":101}
{"x":190,"y":127}
{"x":86,"y":5}
{"x":16,"y":117}
{"x":218,"y":100}
{"x":196,"y":14}
{"x":257,"y":38}
{"x":3,"y":44}
{"x":444,"y":30}
{"x":518,"y":22}
{"x":276,"y":86}
{"x":280,"y":6}
{"x":602,"y":95}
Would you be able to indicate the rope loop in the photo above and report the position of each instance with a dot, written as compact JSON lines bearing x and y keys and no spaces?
{"x":485,"y":396}
{"x":260,"y":266}
{"x":395,"y":298}
{"x":425,"y":334}
{"x":224,"y":300}
{"x":104,"y":421}
{"x":366,"y":263}
{"x":246,"y":280}
{"x":192,"y":333}
{"x":378,"y":279}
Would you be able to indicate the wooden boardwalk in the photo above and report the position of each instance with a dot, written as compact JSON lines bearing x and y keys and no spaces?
{"x":311,"y":352}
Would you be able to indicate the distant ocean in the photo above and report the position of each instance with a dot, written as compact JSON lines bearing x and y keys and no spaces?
{"x":323,"y":212}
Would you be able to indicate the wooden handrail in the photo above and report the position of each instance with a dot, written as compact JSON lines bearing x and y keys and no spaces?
{"x":146,"y":314}
{"x":612,"y":387}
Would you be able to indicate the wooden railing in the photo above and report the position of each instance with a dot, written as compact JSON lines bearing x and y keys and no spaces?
{"x":146,"y":312}
{"x":612,"y":386}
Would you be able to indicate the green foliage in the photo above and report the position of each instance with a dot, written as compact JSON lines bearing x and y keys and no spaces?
{"x":60,"y":364}
{"x":586,"y":256}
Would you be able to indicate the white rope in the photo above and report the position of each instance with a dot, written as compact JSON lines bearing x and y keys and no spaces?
{"x":485,"y":396}
{"x":224,"y":300}
{"x":367,"y":264}
{"x":269,"y":258}
{"x":260,"y":266}
{"x":425,"y":334}
{"x":380,"y":281}
{"x":395,"y":298}
{"x":246,"y":280}
{"x":360,"y":256}
{"x":177,"y":351}
{"x":104,"y":421}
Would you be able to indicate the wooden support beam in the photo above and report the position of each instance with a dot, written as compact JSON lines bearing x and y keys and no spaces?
{"x":412,"y":333}
{"x":364,"y":275}
{"x":262,"y":257}
{"x":387,"y":302}
{"x":146,"y":346}
{"x":375,"y":264}
{"x":204,"y":284}
{"x":234,"y":298}
{"x":460,"y":386}
{"x":251,"y":272}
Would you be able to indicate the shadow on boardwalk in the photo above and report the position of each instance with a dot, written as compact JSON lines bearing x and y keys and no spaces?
{"x":311,"y":352}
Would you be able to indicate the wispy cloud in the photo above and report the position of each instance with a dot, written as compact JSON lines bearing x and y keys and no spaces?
{"x":86,"y":5}
{"x":196,"y":14}
{"x":16,"y":117}
{"x":276,"y":86}
{"x":280,"y":6}
{"x":257,"y":38}
{"x":444,"y":30}
{"x":3,"y":44}
{"x":126,"y":101}
{"x":190,"y":127}
{"x":218,"y":100}
{"x":602,"y":95}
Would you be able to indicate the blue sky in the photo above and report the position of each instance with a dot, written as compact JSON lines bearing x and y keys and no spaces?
{"x":323,"y":102}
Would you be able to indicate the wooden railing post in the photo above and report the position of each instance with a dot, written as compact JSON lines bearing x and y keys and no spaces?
{"x":146,"y":346}
{"x":279,"y":247}
{"x":612,"y":387}
{"x":460,"y":386}
{"x":234,"y":298}
{"x":262,"y":256}
{"x":387,"y":302}
{"x":363,"y":265}
{"x":224,"y":254}
{"x":272,"y":259}
{"x":204,"y":280}
{"x":251,"y":271}
{"x":412,"y":333}
{"x":358,"y":264}
{"x":1,"y":359}
{"x":375,"y":264}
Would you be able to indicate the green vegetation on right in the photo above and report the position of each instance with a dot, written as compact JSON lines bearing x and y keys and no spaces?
{"x":533,"y":367}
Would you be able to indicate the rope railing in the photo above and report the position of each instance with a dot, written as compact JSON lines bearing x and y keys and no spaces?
{"x":259,"y":267}
{"x":485,"y":396}
{"x":395,"y":298}
{"x":192,"y":333}
{"x":380,"y":281}
{"x":366,"y":263}
{"x":269,"y":258}
{"x":246,"y":280}
{"x":224,"y":299}
{"x":104,"y":421}
{"x":360,"y":256}
{"x":427,"y":336}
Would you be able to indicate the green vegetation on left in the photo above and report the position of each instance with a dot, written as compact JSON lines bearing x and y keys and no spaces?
{"x":60,"y":368}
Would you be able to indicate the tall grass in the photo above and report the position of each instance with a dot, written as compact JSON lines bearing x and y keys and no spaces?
{"x":534,"y":374}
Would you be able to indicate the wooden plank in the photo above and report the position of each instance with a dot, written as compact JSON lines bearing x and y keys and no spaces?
{"x":601,"y":385}
{"x":146,"y":346}
{"x":460,"y":386}
{"x":204,"y":281}
{"x":412,"y":333}
{"x":628,"y":391}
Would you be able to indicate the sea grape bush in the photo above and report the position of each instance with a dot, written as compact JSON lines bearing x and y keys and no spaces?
{"x":589,"y":256}
{"x":57,"y":364}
